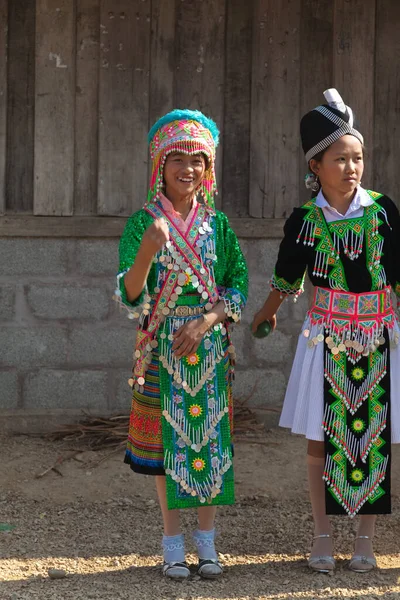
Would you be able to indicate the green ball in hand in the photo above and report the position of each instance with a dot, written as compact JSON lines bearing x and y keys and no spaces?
{"x":263,"y":330}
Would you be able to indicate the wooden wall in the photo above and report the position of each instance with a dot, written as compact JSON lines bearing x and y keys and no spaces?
{"x":81,"y":81}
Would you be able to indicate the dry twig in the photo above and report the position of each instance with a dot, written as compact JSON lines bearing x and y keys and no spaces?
{"x":54,"y":468}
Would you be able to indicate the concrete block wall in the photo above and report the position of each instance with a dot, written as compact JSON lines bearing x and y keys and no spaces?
{"x":64,"y":346}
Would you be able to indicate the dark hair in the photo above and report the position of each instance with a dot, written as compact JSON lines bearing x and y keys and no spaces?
{"x":206,"y":160}
{"x":318,"y":157}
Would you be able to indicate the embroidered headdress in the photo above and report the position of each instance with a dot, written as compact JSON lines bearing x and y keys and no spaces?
{"x":327,"y":123}
{"x":190,"y":132}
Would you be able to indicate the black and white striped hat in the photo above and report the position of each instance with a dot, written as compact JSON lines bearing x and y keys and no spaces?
{"x":327,"y":123}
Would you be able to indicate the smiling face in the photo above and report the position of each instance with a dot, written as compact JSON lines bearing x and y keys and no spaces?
{"x":341,"y":167}
{"x":183,"y":173}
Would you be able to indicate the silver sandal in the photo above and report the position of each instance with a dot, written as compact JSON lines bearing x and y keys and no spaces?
{"x":322,"y":564}
{"x":209,"y":568}
{"x":360,"y":563}
{"x":176,"y":570}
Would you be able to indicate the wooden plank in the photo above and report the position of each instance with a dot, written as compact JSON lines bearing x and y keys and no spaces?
{"x":162,"y":60}
{"x":316,"y":75}
{"x":86,"y":107}
{"x":163,"y":19}
{"x":354,"y":48}
{"x":274,"y":144}
{"x":61,"y":227}
{"x":123,"y":105}
{"x":236,"y":130}
{"x":387,"y":100}
{"x":21,"y":103}
{"x":200,"y":57}
{"x":112,"y":227}
{"x":3,"y":102}
{"x":54,"y":107}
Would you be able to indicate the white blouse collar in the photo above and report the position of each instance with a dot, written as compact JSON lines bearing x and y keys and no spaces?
{"x":362,"y":198}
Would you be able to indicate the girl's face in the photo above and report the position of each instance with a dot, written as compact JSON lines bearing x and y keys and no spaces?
{"x":342,"y":165}
{"x":183,"y":173}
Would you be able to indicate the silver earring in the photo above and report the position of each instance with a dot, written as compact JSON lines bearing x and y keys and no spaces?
{"x":312,"y":182}
{"x":315,"y":186}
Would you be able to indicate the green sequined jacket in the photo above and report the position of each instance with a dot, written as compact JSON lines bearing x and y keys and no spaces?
{"x":220,"y":252}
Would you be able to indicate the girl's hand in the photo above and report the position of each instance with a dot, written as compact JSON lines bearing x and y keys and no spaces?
{"x":188,"y":337}
{"x":155,"y":236}
{"x":262,"y":316}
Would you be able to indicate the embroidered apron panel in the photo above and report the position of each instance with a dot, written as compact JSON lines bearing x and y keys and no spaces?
{"x":356,"y":330}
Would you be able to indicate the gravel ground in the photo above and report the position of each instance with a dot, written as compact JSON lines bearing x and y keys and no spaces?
{"x":100,"y":524}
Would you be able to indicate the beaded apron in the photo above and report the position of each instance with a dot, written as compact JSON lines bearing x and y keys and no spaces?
{"x":356,"y":330}
{"x":195,"y":391}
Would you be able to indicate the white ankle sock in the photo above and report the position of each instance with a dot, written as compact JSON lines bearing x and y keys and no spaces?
{"x":174,"y":548}
{"x":204,"y":541}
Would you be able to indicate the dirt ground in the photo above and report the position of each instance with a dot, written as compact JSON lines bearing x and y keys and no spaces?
{"x":100,"y":523}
